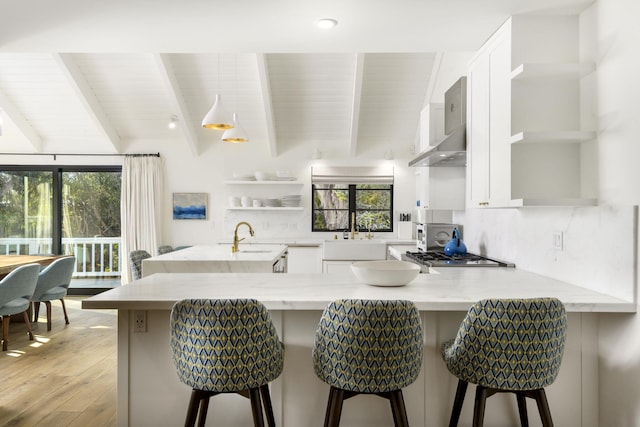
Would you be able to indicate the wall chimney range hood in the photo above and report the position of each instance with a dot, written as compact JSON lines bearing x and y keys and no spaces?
{"x":451,"y":150}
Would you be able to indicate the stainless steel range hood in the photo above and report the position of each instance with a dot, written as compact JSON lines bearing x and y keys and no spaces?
{"x":451,"y":150}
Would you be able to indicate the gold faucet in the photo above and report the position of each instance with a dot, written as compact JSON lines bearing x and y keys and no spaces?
{"x":234,"y":247}
{"x":353,"y":226}
{"x":369,"y":234}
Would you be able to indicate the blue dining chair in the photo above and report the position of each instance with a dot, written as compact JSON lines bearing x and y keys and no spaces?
{"x":53,"y":283}
{"x":16,"y":290}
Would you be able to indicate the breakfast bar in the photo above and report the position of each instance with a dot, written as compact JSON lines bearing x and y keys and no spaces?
{"x":150,"y":394}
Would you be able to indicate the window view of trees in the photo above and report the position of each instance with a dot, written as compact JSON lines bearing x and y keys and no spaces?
{"x":25,"y":203}
{"x":74,"y":211}
{"x":91,"y":204}
{"x":333,"y":205}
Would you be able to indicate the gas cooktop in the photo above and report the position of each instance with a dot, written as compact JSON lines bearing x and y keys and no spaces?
{"x":440,"y":259}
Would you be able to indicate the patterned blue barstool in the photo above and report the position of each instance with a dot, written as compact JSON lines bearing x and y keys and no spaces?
{"x":368,"y":347}
{"x":507,"y":345}
{"x":225,"y":346}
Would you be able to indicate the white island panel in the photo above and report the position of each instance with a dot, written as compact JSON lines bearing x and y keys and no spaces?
{"x":150,"y":394}
{"x":216,"y":259}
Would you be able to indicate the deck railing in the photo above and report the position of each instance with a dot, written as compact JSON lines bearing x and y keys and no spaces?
{"x":95,"y":256}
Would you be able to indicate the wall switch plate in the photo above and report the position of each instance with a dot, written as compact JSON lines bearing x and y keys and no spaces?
{"x":557,"y":240}
{"x":139,"y":321}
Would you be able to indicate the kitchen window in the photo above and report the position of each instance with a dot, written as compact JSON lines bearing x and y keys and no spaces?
{"x":340,"y":193}
{"x":334,"y":205}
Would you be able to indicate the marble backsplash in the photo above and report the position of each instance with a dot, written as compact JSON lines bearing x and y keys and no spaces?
{"x":599,"y":244}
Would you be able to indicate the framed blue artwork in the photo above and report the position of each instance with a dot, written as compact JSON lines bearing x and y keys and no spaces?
{"x":190,"y":205}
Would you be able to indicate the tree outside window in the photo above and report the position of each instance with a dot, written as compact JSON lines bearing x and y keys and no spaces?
{"x":334,"y":204}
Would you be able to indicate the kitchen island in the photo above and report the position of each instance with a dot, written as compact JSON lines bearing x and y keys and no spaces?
{"x":150,"y":394}
{"x":249,"y":258}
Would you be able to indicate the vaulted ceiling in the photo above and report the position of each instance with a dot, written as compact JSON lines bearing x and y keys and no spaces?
{"x":91,"y":77}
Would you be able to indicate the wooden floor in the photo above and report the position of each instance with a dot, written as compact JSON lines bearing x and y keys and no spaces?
{"x":66,"y":377}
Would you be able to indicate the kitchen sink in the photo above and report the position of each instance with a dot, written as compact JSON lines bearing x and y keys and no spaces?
{"x":354,"y":250}
{"x":254,"y":251}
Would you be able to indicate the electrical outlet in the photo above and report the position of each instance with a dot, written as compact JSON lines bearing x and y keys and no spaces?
{"x":139,"y":321}
{"x":557,"y":240}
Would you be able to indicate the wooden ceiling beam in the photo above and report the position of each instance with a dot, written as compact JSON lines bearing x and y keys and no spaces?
{"x":87,"y":98}
{"x":263,"y":72}
{"x":15,"y":115}
{"x":355,"y":110}
{"x":171,"y":84}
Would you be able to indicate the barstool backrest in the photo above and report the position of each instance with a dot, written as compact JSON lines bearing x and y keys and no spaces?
{"x":224,"y":345}
{"x":369,"y":346}
{"x":510,"y":344}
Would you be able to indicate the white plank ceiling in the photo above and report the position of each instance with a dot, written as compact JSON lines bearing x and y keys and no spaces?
{"x":78,"y":80}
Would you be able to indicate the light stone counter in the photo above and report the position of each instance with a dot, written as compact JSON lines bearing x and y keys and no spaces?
{"x":150,"y":394}
{"x":216,"y":259}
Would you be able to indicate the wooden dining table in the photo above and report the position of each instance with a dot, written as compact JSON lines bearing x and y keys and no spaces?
{"x":10,"y":262}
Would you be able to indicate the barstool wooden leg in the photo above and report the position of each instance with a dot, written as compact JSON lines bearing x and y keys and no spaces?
{"x":522,"y":409}
{"x":461,"y":391}
{"x":329,"y":406}
{"x":64,"y":310}
{"x":256,"y":407}
{"x":336,"y":407}
{"x":398,"y":409}
{"x":478,"y":408}
{"x":204,"y":408}
{"x":266,"y":403}
{"x":192,"y":411}
{"x":543,"y":407}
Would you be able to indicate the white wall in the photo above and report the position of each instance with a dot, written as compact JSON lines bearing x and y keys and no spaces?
{"x":600,"y":243}
{"x":207,"y":173}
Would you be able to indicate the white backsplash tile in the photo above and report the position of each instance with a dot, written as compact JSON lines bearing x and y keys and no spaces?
{"x":598,"y":243}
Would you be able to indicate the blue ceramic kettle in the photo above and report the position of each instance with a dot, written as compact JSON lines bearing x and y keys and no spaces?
{"x":455,"y":246}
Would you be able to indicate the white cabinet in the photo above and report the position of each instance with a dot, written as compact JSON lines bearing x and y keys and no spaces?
{"x":263,"y":190}
{"x":527,"y":144}
{"x":329,"y":266}
{"x":304,"y":259}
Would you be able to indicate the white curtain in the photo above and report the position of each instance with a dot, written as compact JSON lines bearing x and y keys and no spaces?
{"x":140,"y":207}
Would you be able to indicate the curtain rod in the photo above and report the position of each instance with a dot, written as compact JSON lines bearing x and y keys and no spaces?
{"x":80,"y":154}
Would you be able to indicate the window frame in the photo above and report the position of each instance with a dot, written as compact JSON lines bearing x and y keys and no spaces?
{"x":56,"y":186}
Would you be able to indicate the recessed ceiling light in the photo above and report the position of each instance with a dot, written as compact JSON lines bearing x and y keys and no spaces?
{"x":327,"y":23}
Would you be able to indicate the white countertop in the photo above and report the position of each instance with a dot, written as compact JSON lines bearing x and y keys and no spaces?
{"x":250,"y":258}
{"x":453,"y":289}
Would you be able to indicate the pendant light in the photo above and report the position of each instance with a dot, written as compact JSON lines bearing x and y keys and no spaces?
{"x":217,"y":117}
{"x":237,"y":133}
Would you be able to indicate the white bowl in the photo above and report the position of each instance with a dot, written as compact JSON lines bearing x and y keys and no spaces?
{"x":385,"y":272}
{"x":262,"y":176}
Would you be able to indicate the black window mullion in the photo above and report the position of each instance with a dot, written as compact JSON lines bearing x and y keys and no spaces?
{"x":352,"y":203}
{"x":56,"y":215}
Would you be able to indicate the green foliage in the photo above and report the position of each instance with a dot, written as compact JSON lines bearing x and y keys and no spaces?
{"x":91,"y":203}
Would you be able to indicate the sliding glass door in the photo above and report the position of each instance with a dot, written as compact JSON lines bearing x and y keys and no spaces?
{"x":90,"y":212}
{"x":26,"y":212}
{"x":65,"y":211}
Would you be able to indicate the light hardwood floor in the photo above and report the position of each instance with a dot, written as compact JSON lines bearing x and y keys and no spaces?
{"x":65,"y":377}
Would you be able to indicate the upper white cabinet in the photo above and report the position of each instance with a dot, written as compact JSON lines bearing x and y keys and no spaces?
{"x":528,"y":145}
